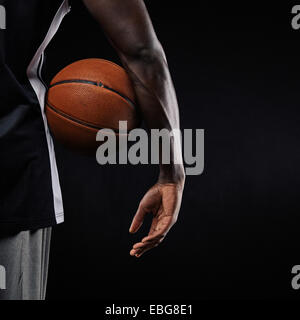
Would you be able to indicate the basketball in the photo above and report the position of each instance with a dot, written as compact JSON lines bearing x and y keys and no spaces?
{"x":86,"y":96}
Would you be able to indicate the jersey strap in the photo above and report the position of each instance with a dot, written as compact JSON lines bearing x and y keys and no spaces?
{"x":34,"y":76}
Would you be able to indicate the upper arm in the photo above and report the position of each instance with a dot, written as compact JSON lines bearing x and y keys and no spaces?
{"x":127,"y":25}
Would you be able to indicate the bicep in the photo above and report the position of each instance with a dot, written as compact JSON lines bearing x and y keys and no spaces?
{"x":126,"y":23}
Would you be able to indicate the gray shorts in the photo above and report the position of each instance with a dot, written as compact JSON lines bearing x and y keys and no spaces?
{"x":24,"y":259}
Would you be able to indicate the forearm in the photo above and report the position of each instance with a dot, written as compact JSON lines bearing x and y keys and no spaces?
{"x":157,"y":101}
{"x":154,"y":88}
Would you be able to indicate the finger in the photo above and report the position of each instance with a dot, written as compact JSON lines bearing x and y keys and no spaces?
{"x":157,"y":240}
{"x":156,"y":236}
{"x":140,"y":248}
{"x":133,"y":252}
{"x":140,"y":253}
{"x":136,"y":252}
{"x":141,"y":245}
{"x":137,"y":220}
{"x":158,"y":223}
{"x":162,"y":228}
{"x":152,"y":230}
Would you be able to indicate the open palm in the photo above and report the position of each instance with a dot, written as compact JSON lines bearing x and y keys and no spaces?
{"x":163,"y":202}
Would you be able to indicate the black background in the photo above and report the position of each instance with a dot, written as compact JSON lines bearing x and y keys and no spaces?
{"x":235,"y":67}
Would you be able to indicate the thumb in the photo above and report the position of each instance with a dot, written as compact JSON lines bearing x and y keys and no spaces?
{"x":138,"y":219}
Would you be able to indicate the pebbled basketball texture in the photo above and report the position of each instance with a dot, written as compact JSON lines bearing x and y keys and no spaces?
{"x":86,"y":96}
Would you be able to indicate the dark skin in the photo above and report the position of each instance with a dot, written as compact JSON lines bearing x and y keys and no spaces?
{"x":129,"y":29}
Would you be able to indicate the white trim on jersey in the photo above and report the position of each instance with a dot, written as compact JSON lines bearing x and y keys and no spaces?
{"x":33,"y":73}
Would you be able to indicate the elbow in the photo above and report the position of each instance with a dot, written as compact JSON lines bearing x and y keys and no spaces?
{"x":148,"y":62}
{"x":148,"y":55}
{"x":152,"y":64}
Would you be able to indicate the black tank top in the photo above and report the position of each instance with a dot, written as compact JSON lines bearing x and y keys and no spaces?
{"x":30,"y":195}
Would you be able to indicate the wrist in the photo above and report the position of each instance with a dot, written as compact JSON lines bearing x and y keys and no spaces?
{"x":172,"y":174}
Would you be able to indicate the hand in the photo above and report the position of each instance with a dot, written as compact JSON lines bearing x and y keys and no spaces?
{"x":163,"y":200}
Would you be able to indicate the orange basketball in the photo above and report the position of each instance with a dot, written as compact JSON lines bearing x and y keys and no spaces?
{"x":86,"y":96}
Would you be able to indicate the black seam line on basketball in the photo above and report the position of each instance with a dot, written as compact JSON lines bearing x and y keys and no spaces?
{"x":98,"y":84}
{"x":118,"y":93}
{"x":74,"y":81}
{"x":76,"y":120}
